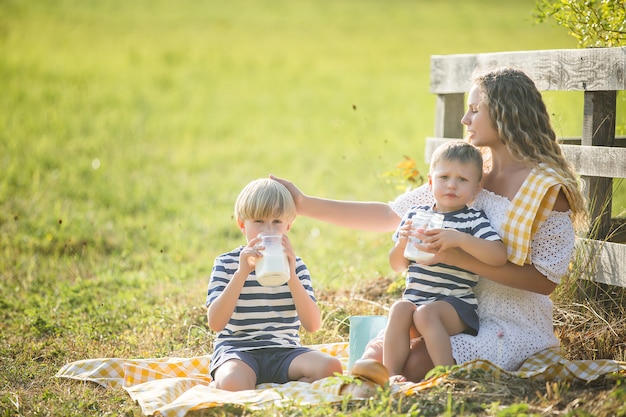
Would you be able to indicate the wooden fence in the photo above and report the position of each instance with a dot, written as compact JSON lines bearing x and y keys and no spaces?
{"x":597,"y":155}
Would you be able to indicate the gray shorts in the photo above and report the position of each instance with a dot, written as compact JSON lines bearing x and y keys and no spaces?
{"x":269,"y":364}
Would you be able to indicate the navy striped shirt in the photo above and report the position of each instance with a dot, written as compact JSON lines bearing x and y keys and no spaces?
{"x":425,"y":283}
{"x":264,"y":316}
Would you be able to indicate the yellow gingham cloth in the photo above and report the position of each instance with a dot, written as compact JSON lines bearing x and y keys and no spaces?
{"x":529,"y":209}
{"x":172,"y":387}
{"x":546,"y":365}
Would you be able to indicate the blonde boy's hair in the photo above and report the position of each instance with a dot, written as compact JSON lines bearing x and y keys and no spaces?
{"x":458,"y":150}
{"x":265,"y":198}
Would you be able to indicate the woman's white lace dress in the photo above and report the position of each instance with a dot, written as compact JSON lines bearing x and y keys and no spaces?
{"x":514,"y":324}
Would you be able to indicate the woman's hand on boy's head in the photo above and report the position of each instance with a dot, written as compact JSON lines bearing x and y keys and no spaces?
{"x":295,"y":192}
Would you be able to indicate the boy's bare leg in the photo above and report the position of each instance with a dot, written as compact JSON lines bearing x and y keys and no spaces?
{"x":313,"y":365}
{"x":436,"y":322}
{"x":397,"y":338}
{"x":234,"y":375}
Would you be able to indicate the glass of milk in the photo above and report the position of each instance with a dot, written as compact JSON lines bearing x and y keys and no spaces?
{"x":272,"y":269}
{"x":422,"y":220}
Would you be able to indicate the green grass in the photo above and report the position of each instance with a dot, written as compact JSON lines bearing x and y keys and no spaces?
{"x":128,"y":128}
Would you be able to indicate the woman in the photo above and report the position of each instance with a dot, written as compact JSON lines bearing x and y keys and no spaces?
{"x":532,"y":197}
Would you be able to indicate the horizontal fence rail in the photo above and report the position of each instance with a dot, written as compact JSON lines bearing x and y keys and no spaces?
{"x":594,"y":161}
{"x":594,"y":69}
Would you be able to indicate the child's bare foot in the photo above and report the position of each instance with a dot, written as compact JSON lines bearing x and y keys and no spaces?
{"x":396,"y":379}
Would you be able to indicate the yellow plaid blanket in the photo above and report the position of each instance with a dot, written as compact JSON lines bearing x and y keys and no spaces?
{"x":172,"y":387}
{"x":529,"y":209}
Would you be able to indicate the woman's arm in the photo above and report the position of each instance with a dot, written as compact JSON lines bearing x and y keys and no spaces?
{"x":371,"y":216}
{"x":525,"y":277}
{"x":491,"y":252}
{"x":551,"y":250}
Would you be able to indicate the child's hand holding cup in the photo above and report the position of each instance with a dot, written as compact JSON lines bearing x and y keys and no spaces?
{"x":423,"y":220}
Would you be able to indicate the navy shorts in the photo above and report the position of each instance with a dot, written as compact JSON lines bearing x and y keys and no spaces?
{"x":269,"y":364}
{"x":467,"y":312}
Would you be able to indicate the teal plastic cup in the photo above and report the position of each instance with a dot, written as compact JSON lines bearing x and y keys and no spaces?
{"x":362,"y":330}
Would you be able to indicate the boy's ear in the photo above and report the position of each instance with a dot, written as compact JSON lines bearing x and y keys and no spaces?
{"x":241,"y":225}
{"x":474,"y":194}
{"x":430,"y":182}
{"x":479,"y":187}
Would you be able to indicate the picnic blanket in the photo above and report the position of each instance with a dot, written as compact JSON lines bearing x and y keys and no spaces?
{"x":172,"y":387}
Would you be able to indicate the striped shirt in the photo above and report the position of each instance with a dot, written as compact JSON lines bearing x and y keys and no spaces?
{"x":426,"y":283}
{"x":264,"y":316}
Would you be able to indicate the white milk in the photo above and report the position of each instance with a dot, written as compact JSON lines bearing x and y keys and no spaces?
{"x":411,"y":252}
{"x":272,"y":269}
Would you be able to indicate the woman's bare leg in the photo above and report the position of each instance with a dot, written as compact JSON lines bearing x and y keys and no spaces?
{"x":418,"y":364}
{"x":374,"y":350}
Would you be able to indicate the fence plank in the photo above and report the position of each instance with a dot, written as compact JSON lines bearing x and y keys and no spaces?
{"x":599,"y":117}
{"x":448,"y":112}
{"x":604,"y":260}
{"x":597,"y":161}
{"x":591,"y":69}
{"x":431,"y":145}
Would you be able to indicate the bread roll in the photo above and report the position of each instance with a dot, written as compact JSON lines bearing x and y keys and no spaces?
{"x":371,"y":370}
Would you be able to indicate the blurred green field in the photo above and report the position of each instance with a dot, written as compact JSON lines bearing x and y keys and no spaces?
{"x":127,"y":130}
{"x":135,"y":125}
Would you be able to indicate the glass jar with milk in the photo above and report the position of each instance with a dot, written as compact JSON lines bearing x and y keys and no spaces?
{"x":425,"y":220}
{"x":272,"y":269}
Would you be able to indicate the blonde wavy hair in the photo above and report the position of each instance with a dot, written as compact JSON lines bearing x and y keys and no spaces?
{"x":519,"y":114}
